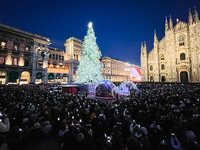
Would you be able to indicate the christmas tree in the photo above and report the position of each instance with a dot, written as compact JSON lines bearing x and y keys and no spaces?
{"x":89,"y":69}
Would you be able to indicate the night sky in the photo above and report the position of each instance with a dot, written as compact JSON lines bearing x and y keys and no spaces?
{"x":120,"y":26}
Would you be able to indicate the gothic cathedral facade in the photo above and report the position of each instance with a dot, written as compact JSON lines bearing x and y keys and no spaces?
{"x":176,"y":57}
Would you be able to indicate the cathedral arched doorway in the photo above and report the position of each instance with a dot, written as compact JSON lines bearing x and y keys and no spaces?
{"x":25,"y":77}
{"x":151,"y":79}
{"x":163,"y":79}
{"x":184,"y":76}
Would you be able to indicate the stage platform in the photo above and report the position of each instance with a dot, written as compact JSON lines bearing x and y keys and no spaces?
{"x":101,"y":98}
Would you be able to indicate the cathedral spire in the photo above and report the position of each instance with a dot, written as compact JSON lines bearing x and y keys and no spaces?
{"x":155,"y":44}
{"x":142,"y":48}
{"x":196,"y":16}
{"x":155,"y":37}
{"x":190,"y":19}
{"x":170,"y":23}
{"x":166,"y":24}
{"x":145,"y":48}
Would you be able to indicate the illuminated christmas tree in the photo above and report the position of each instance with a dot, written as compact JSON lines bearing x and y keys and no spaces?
{"x":89,"y":69}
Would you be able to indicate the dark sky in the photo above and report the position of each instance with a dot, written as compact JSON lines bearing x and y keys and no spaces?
{"x":120,"y":25}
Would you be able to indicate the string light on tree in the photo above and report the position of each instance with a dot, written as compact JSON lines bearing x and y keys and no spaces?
{"x":89,"y":69}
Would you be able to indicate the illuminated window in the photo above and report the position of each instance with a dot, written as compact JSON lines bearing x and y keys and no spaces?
{"x":162,"y":57}
{"x":182,"y":56}
{"x":51,"y":66}
{"x":75,"y":57}
{"x":3,"y":45}
{"x":151,"y":67}
{"x":181,"y":41}
{"x":162,"y":66}
{"x":15,"y":47}
{"x":15,"y":61}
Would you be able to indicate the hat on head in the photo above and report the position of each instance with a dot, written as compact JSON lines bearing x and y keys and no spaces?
{"x":144,"y":130}
{"x":190,"y":135}
{"x":80,"y":137}
{"x":25,"y":120}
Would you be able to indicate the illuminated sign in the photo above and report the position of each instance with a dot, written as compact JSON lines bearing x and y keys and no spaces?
{"x":126,"y":69}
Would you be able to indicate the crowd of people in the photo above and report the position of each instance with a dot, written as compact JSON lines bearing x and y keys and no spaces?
{"x":162,"y":116}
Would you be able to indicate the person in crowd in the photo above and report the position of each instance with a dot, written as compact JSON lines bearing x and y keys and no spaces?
{"x":143,"y":121}
{"x":176,"y":145}
{"x":4,"y":127}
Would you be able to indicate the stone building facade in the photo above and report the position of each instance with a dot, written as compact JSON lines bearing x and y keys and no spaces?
{"x":23,"y":56}
{"x":57,"y":70}
{"x":176,"y":57}
{"x":73,"y":49}
{"x":115,"y":70}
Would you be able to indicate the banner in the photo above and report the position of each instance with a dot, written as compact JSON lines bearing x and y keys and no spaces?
{"x":135,"y":74}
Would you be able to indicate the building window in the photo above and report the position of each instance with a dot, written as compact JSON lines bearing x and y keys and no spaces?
{"x":50,"y":56}
{"x":56,"y":57}
{"x":182,"y":56}
{"x":15,"y":61}
{"x":75,"y":57}
{"x":59,"y":57}
{"x":53,"y":56}
{"x":162,"y":57}
{"x":26,"y":63}
{"x":38,"y":51}
{"x":151,"y":67}
{"x":2,"y":60}
{"x":3,"y":45}
{"x":62,"y":57}
{"x":15,"y":47}
{"x":162,"y":66}
{"x":181,"y":41}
